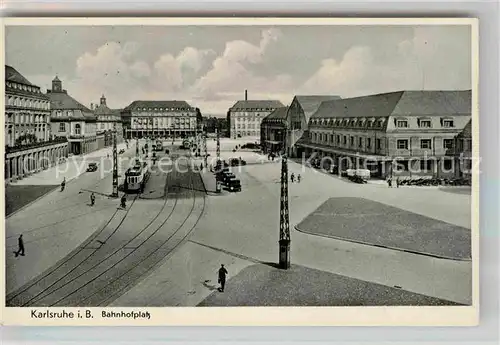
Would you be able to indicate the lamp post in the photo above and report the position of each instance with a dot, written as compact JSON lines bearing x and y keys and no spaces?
{"x":115,"y":165}
{"x":218,"y":163}
{"x":284,"y":242}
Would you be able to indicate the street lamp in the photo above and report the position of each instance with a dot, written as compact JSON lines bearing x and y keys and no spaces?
{"x":284,"y":242}
{"x":114,"y":194}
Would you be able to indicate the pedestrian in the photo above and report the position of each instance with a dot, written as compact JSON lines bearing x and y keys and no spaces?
{"x":222,"y":277}
{"x":63,"y":184}
{"x":292,"y":177}
{"x":298,"y":178}
{"x":92,"y":199}
{"x":123,"y":201}
{"x":397,"y":182}
{"x":20,"y":250}
{"x":108,"y":155}
{"x":389,"y":182}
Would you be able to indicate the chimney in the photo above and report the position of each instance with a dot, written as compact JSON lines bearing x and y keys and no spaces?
{"x":246,"y":95}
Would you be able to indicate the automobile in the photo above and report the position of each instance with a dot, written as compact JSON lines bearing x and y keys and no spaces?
{"x":92,"y":167}
{"x":221,"y":175}
{"x":234,"y":185}
{"x":121,"y":151}
{"x":226,"y":178}
{"x":236,"y":162}
{"x":167,"y":151}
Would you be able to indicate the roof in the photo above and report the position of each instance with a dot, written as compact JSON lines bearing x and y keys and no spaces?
{"x":257,"y":104}
{"x":104,"y":110}
{"x":277,"y":114}
{"x":157,"y":104}
{"x":407,"y":103}
{"x":311,"y":103}
{"x":62,"y":101}
{"x":467,"y":131}
{"x":11,"y":74}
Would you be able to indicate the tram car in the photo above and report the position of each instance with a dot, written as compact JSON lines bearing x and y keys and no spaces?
{"x":136,"y":178}
{"x":159,"y":146}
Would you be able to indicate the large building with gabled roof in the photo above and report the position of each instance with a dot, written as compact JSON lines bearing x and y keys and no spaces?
{"x":404,"y":133}
{"x":159,"y":119}
{"x":244,"y":118}
{"x":72,"y":120}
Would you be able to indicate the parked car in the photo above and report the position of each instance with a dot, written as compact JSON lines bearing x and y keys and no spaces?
{"x":236,"y":162}
{"x":121,"y":151}
{"x":234,"y":185}
{"x":92,"y":167}
{"x":226,"y":178}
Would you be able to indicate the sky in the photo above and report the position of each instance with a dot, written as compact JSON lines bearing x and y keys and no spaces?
{"x":212,"y":66}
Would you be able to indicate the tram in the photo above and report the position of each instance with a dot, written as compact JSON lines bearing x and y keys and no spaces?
{"x":136,"y":178}
{"x":158,"y":146}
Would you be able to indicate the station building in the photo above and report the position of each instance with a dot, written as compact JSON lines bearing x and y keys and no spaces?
{"x":405,"y":133}
{"x":159,"y":119}
{"x":29,"y":145}
{"x":72,"y":120}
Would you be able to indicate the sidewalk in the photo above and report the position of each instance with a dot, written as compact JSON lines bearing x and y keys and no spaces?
{"x":71,"y":169}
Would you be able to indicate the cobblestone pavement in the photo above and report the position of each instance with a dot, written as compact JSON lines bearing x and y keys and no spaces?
{"x":264,"y":285}
{"x":373,"y":223}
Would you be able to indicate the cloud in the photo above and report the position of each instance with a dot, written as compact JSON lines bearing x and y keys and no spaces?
{"x":232,"y":70}
{"x":432,"y":59}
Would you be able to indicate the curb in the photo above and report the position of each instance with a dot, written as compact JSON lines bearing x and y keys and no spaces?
{"x":385,"y":247}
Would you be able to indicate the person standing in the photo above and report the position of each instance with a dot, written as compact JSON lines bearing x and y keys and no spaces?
{"x":20,"y":250}
{"x":292,"y":177}
{"x":92,"y":199}
{"x":298,"y":178}
{"x":389,"y":182}
{"x":397,"y":182}
{"x":222,"y":277}
{"x":123,"y":201}
{"x":63,"y":184}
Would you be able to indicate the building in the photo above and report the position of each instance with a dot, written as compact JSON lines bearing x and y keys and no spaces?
{"x":405,"y":133}
{"x":244,"y":117}
{"x":299,"y":113}
{"x":273,"y":130}
{"x":28,"y":144}
{"x":108,"y":120}
{"x":159,"y":119}
{"x":27,"y":110}
{"x":72,"y":120}
{"x":463,"y":153}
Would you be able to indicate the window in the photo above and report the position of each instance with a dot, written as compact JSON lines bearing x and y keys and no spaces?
{"x":344,"y":141}
{"x":369,"y":142}
{"x":448,"y":123}
{"x":447,"y":143}
{"x":360,"y":142}
{"x":70,"y":113}
{"x":425,"y":165}
{"x":402,"y":124}
{"x":62,"y":127}
{"x":78,"y":129}
{"x":402,"y":144}
{"x":352,"y":141}
{"x":425,"y":123}
{"x":447,"y":164}
{"x":425,"y":143}
{"x":338,"y":139}
{"x":402,"y":165}
{"x":58,"y":113}
{"x":331,"y":138}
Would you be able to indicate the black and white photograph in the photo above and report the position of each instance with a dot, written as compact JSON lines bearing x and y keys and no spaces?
{"x":266,"y":165}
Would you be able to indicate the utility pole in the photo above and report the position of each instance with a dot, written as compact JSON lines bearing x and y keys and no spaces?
{"x":284,"y":242}
{"x":218,"y":164}
{"x":115,"y":165}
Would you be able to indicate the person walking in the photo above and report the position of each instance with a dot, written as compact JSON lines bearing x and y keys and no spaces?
{"x":298,"y":178}
{"x":92,"y":199}
{"x":397,"y":182}
{"x":389,"y":182}
{"x":63,"y":184}
{"x":20,"y":250}
{"x":123,"y":201}
{"x":292,"y":177}
{"x":222,"y":277}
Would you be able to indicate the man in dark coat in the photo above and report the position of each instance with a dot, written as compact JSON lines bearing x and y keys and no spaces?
{"x":123,"y":201}
{"x":20,"y":250}
{"x":63,"y":184}
{"x":92,"y":199}
{"x":222,"y":277}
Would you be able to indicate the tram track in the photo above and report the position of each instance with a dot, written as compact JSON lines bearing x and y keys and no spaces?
{"x":133,"y":263}
{"x":50,"y":290}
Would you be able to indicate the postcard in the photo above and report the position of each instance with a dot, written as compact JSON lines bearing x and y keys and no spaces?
{"x":240,"y":171}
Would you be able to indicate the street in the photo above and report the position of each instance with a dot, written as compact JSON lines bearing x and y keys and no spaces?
{"x":166,"y":247}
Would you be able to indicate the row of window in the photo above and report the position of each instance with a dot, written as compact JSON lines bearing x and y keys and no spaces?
{"x":362,"y":123}
{"x":145,"y":121}
{"x":23,"y":87}
{"x":27,"y":118}
{"x":251,"y":118}
{"x":247,"y":126}
{"x":78,"y":128}
{"x":247,"y":133}
{"x":401,"y":144}
{"x":166,"y":109}
{"x":250,"y":111}
{"x":27,"y":103}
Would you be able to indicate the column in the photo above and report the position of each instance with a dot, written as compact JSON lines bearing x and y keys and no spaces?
{"x":13,"y":162}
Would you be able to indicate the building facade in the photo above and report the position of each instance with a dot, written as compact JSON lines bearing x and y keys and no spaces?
{"x":29,"y":147}
{"x":108,"y":120}
{"x":72,"y":120}
{"x":406,"y":133}
{"x":159,"y":119}
{"x":299,"y":113}
{"x":273,"y":131}
{"x":245,"y":117}
{"x":464,"y":157}
{"x":27,"y":110}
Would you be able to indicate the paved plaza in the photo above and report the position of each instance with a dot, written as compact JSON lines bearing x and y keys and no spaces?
{"x":166,"y":248}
